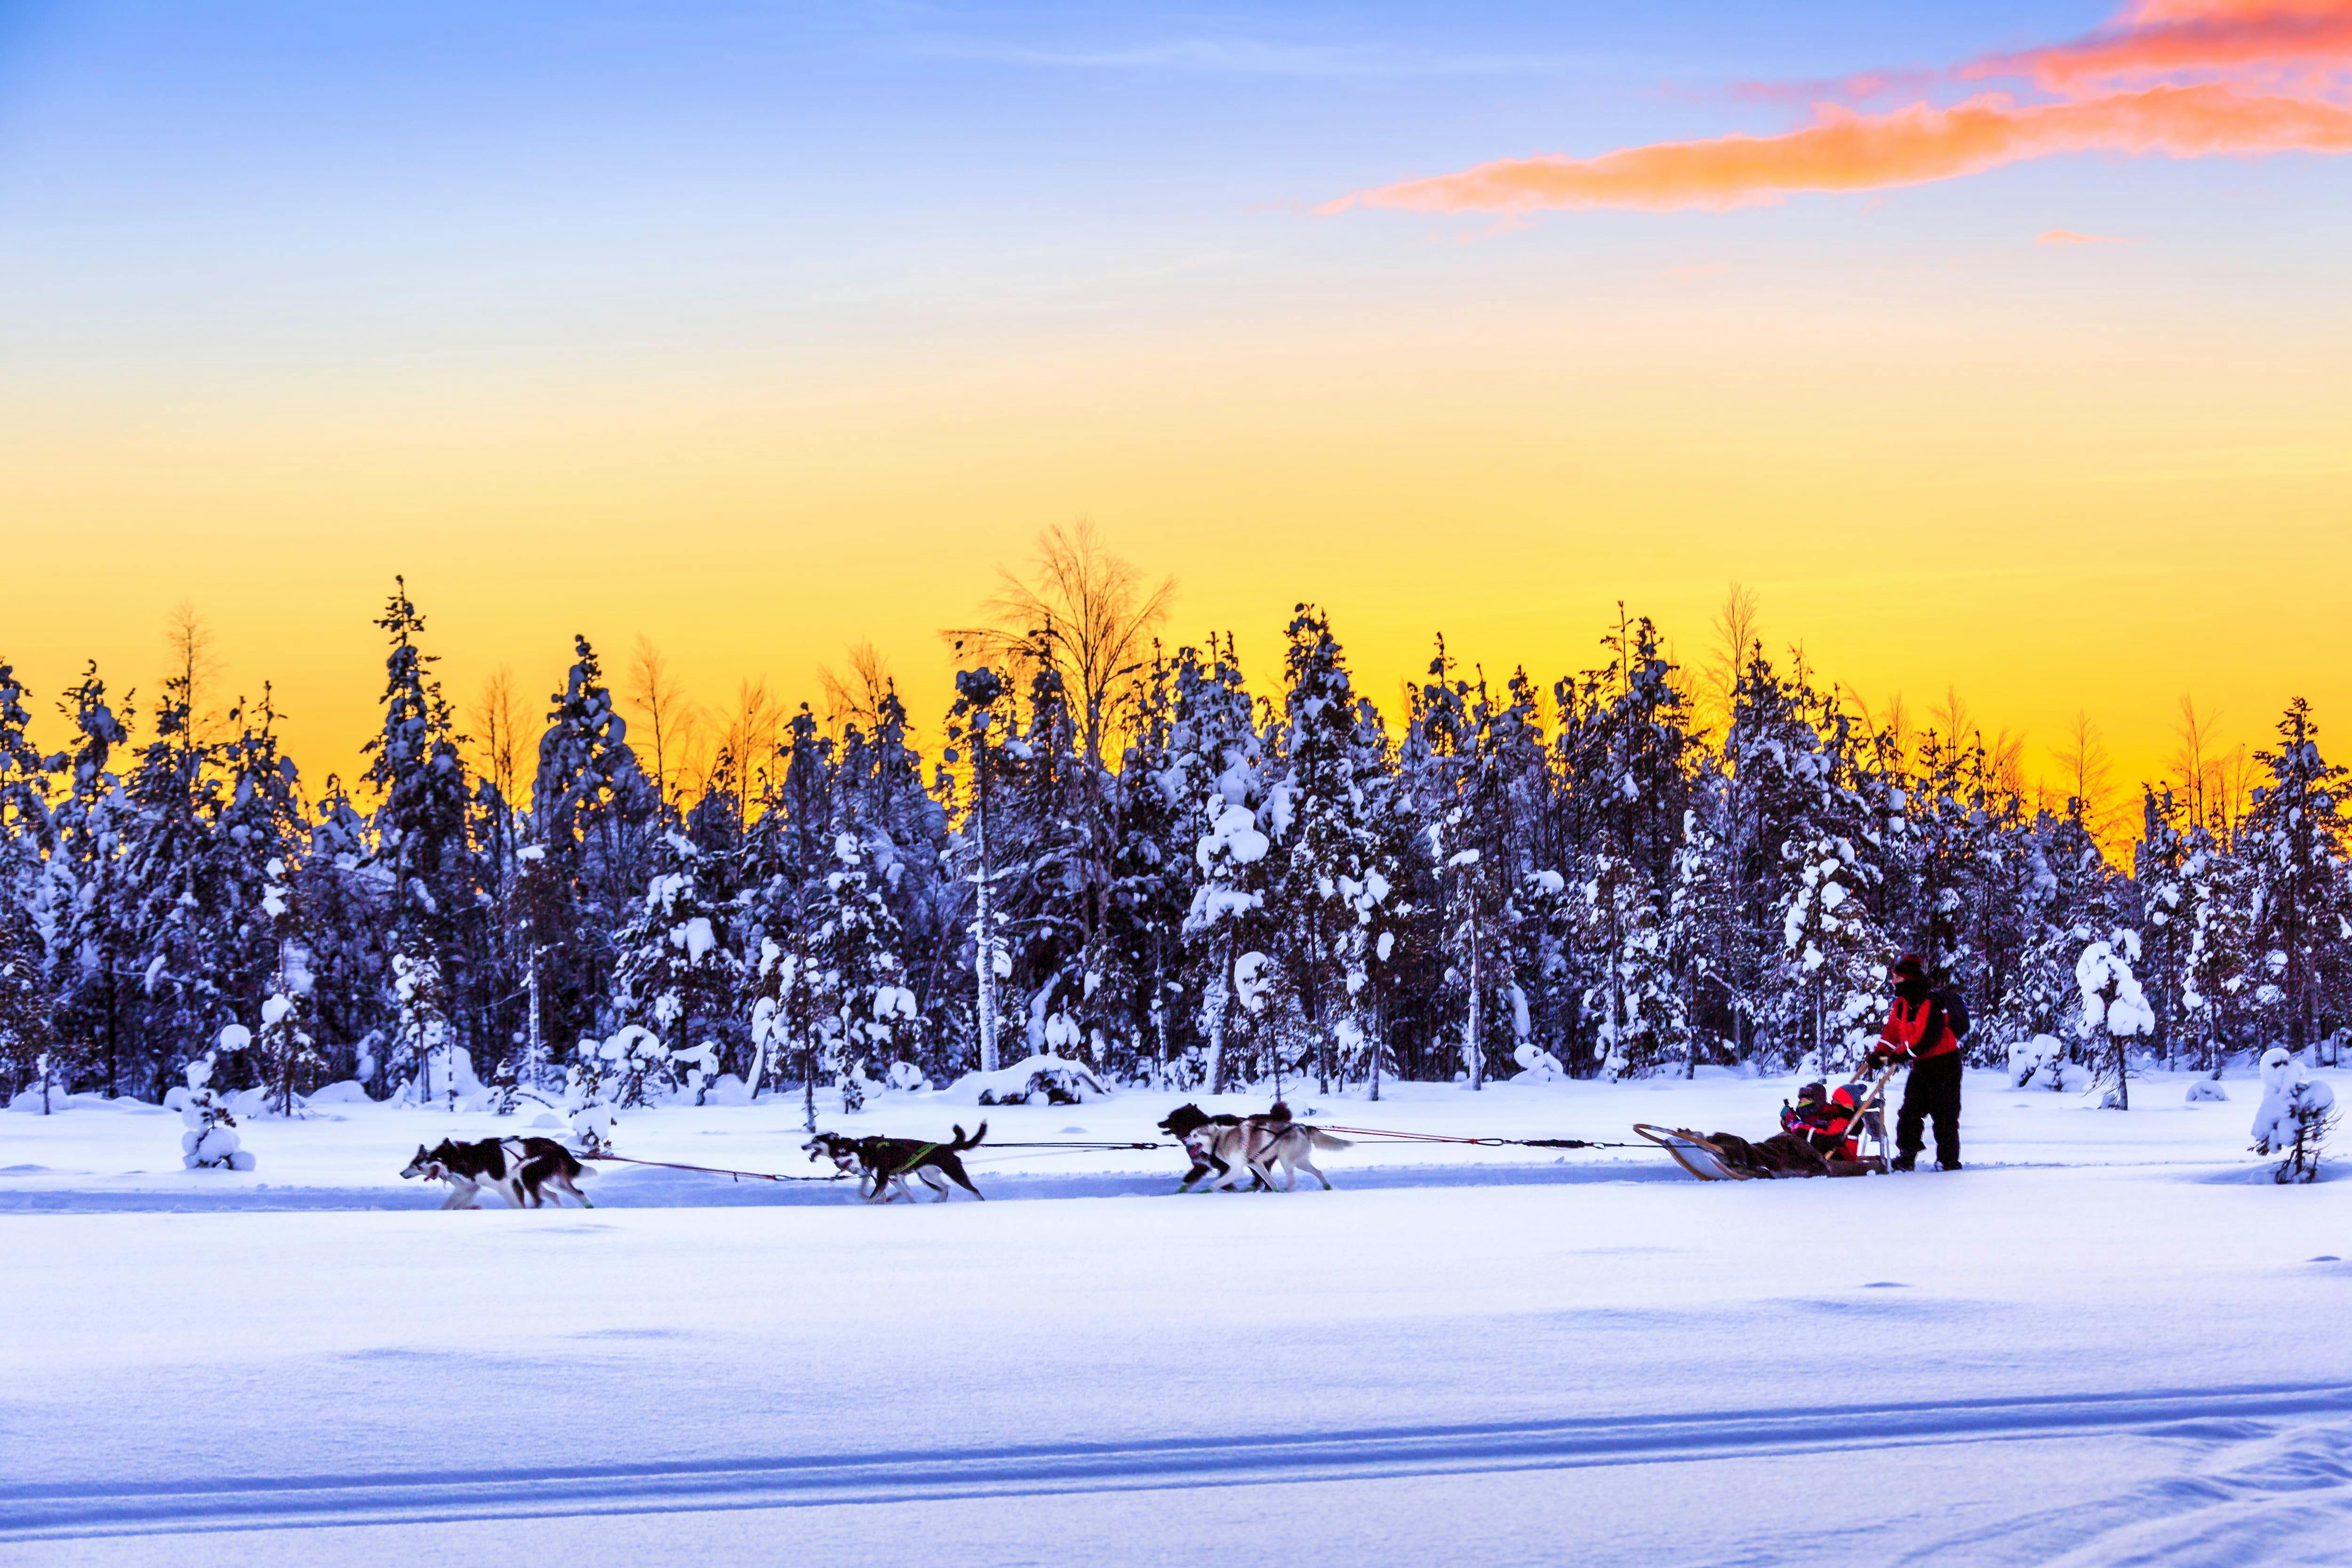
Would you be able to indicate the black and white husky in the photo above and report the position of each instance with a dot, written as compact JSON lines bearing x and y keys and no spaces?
{"x":883,"y":1164}
{"x":523,"y":1171}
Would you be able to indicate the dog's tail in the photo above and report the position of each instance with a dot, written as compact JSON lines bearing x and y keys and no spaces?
{"x":1323,"y":1140}
{"x":962,"y":1143}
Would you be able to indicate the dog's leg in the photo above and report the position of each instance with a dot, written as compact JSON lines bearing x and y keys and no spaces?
{"x":954,"y":1169}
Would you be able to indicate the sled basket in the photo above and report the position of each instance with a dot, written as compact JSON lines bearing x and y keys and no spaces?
{"x":1694,"y":1153}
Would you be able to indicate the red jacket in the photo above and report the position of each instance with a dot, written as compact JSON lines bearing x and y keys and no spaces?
{"x":1918,"y":1030}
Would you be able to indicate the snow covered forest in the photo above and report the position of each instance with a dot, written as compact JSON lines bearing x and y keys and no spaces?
{"x":1104,"y":848}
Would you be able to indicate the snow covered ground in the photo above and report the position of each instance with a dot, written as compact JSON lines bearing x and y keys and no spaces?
{"x":2110,"y":1341}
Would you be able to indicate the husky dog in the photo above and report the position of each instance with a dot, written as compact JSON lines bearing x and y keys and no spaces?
{"x":1199,"y":1133}
{"x":1257,"y":1143}
{"x":523,"y":1171}
{"x":883,"y":1164}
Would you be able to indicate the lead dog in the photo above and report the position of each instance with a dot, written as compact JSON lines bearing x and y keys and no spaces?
{"x":883,"y":1164}
{"x":522,"y":1171}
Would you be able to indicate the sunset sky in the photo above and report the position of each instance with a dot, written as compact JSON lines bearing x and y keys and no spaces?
{"x":2005,"y":347}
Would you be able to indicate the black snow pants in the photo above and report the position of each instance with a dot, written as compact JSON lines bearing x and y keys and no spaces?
{"x":1934,"y":1090}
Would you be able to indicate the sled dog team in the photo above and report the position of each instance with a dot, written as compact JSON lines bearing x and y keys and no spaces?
{"x":529,"y":1173}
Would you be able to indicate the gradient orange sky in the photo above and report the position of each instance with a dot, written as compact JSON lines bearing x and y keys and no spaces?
{"x":764,"y":348}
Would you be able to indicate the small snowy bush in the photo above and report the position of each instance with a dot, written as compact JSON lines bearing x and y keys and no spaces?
{"x":446,"y":1078}
{"x":700,"y":1065}
{"x":2042,"y":1057}
{"x":210,"y":1142}
{"x":1536,"y":1065}
{"x":591,"y":1124}
{"x":590,"y":1087}
{"x":728,"y":1090}
{"x":1042,"y":1080}
{"x":2206,"y":1089}
{"x":2296,"y":1111}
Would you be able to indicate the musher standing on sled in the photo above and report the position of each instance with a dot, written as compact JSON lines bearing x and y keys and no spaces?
{"x":1924,"y":1029}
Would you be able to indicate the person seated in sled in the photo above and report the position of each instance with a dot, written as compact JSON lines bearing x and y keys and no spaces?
{"x":1825,"y":1120}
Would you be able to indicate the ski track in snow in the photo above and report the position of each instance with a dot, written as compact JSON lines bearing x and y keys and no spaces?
{"x":2316,"y":1469}
{"x":2287,"y":1499}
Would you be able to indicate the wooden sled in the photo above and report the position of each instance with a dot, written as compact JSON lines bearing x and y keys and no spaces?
{"x":1707,"y":1161}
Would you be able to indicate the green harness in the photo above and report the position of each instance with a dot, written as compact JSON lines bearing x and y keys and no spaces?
{"x":911,"y":1161}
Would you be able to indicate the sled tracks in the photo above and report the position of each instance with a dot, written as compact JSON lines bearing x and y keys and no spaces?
{"x":66,"y":1512}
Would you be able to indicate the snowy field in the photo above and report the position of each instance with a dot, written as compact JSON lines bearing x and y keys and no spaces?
{"x":2110,"y":1341}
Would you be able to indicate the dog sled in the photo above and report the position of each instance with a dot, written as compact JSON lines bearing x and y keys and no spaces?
{"x":1861,"y":1145}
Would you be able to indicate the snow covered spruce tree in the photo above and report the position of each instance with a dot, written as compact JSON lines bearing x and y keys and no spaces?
{"x":862,"y":1012}
{"x":980,"y":694}
{"x":2295,"y":1117}
{"x":1331,"y":883}
{"x":788,"y":854}
{"x":2159,"y":864}
{"x":286,"y":1052}
{"x":676,"y":979}
{"x":903,"y":830}
{"x":1150,"y":887}
{"x":29,"y":1057}
{"x":1634,"y":753}
{"x":94,"y":934}
{"x":2115,"y":1012}
{"x":210,"y":1141}
{"x":594,"y":812}
{"x":1222,"y":768}
{"x":2293,"y":838}
{"x":422,"y":858}
{"x":179,"y":932}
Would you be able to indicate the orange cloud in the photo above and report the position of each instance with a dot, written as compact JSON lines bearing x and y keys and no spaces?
{"x":2188,"y":78}
{"x":1844,"y":151}
{"x":2178,"y":40}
